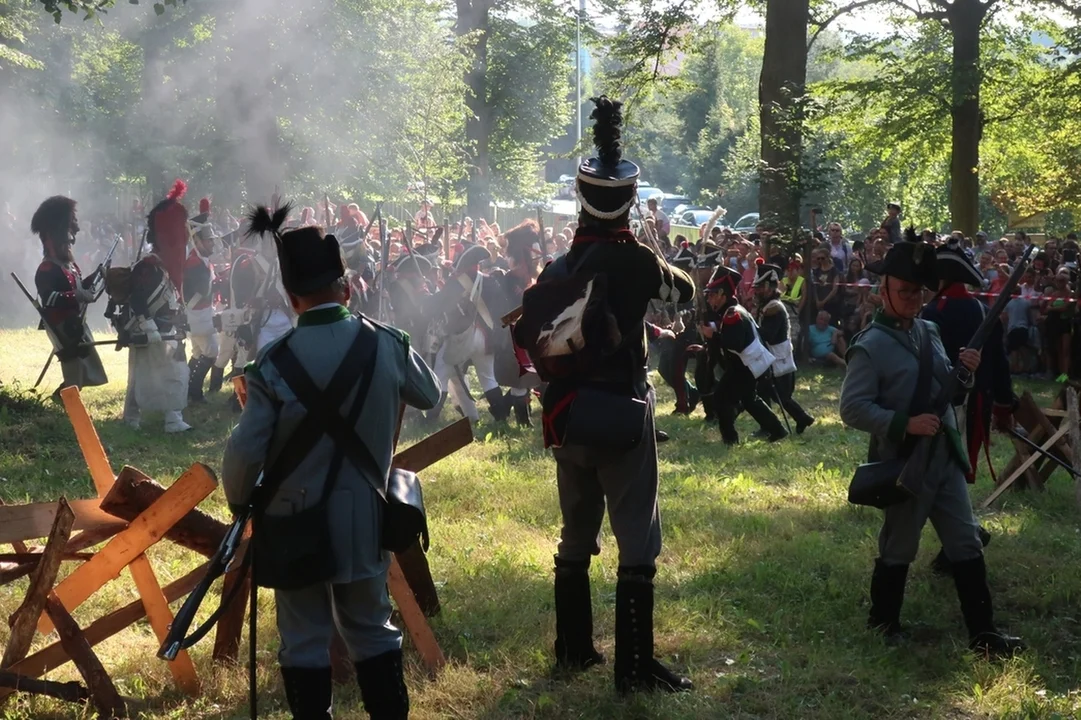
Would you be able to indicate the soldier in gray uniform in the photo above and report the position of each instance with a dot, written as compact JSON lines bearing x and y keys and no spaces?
{"x":878,"y":398}
{"x":598,"y":415}
{"x":355,"y":599}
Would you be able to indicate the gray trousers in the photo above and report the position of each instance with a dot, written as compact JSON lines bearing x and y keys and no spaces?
{"x":945,"y":502}
{"x":360,"y":610}
{"x":588,"y":478}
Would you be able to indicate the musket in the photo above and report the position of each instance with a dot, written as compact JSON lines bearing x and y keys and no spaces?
{"x":916,"y":466}
{"x":178,"y":638}
{"x":1036,"y":448}
{"x":103,"y":268}
{"x":49,"y":332}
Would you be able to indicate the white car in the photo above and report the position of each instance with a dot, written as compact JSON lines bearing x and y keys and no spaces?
{"x":746,"y":223}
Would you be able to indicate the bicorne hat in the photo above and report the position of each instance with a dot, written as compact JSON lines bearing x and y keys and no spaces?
{"x":767,"y":274}
{"x":953,"y":265}
{"x":911,"y":260}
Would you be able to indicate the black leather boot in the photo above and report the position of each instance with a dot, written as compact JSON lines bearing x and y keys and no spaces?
{"x":498,"y":405}
{"x":636,"y":669}
{"x":382,"y":686}
{"x":217,"y":376}
{"x":942,"y":566}
{"x":970,"y":578}
{"x":308,"y":692}
{"x":198,"y":368}
{"x":887,"y":596}
{"x":520,"y":403}
{"x":574,"y":617}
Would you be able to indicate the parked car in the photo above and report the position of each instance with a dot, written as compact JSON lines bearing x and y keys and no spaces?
{"x":646,"y":191}
{"x":695,"y":218}
{"x":746,"y":223}
{"x":680,"y":209}
{"x":669,"y":202}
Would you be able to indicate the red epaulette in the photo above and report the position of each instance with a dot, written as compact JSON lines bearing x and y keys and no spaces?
{"x":731,"y":317}
{"x":45,"y":263}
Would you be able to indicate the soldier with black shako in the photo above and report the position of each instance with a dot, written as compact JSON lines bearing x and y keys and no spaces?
{"x":737,"y":353}
{"x":583,"y":326}
{"x":65,"y":294}
{"x":775,"y":330}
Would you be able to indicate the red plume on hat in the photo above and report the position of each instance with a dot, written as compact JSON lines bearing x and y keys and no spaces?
{"x":169,"y":232}
{"x":204,"y":206}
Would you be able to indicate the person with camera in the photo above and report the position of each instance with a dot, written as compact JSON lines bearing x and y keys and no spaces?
{"x":333,"y":369}
{"x":597,"y":411}
{"x":895,"y":367}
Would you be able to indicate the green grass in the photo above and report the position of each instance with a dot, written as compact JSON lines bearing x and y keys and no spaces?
{"x":761,"y":592}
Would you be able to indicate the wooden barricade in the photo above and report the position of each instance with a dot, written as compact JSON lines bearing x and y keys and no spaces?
{"x":1054,"y":432}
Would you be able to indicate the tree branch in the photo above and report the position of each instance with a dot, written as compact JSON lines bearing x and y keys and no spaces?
{"x":838,"y":13}
{"x":921,"y":14}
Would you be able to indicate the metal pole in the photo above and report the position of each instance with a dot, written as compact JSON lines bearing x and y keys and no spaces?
{"x":578,"y":82}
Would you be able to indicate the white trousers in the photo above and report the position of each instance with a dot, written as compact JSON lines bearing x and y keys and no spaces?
{"x":448,"y":376}
{"x":204,"y":346}
{"x":276,"y":325}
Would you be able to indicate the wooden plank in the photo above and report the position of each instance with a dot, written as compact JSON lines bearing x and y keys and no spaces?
{"x":414,"y":565}
{"x":34,"y":555}
{"x":69,"y":691}
{"x":415,"y":622}
{"x":161,"y":617}
{"x":231,"y":624}
{"x":24,"y":620}
{"x":1073,"y":421}
{"x":435,"y":447}
{"x":90,"y":538}
{"x":1024,"y":466}
{"x":17,"y":545}
{"x":89,"y":442}
{"x":103,"y":693}
{"x":53,"y":656}
{"x":1053,"y":412}
{"x":28,"y":522}
{"x":187,"y":492}
{"x":134,"y":492}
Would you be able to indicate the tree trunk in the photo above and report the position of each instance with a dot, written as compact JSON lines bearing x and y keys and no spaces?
{"x":780,"y":92}
{"x":966,"y":19}
{"x":473,"y":17}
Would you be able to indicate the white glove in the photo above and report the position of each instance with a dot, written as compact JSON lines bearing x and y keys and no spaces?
{"x":84,"y":296}
{"x":153,"y":336}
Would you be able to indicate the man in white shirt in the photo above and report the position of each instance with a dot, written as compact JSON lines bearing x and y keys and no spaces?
{"x":664,"y":225}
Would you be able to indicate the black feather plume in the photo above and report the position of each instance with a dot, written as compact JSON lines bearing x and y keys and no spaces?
{"x":911,"y":235}
{"x":607,"y":117}
{"x":260,"y":220}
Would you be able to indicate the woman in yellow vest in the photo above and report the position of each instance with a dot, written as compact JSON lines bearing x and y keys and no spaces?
{"x":793,"y":295}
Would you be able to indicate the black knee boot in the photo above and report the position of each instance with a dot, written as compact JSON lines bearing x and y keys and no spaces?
{"x":942,"y":566}
{"x":382,"y":686}
{"x":970,"y":578}
{"x":308,"y":692}
{"x":198,"y":368}
{"x":574,"y":617}
{"x":498,"y":405}
{"x":887,"y":596}
{"x":636,"y":668}
{"x":217,"y":376}
{"x":520,"y":403}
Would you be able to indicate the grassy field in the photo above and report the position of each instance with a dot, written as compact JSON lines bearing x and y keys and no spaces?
{"x":761,"y":593}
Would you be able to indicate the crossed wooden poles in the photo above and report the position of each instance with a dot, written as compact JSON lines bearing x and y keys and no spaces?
{"x":130,"y":514}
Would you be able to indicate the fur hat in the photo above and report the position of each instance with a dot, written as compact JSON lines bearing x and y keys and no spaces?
{"x":168,"y":232}
{"x":309,"y":260}
{"x":471,"y":258}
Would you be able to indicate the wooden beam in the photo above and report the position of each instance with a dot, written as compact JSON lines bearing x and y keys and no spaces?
{"x":33,"y":557}
{"x":413,"y":619}
{"x":69,"y":691}
{"x":187,"y":492}
{"x":414,"y":566}
{"x":90,"y":538}
{"x":28,"y":522}
{"x":89,"y":442}
{"x":157,"y":611}
{"x":1073,"y":421}
{"x":133,"y":492}
{"x":435,"y":447}
{"x":53,"y":656}
{"x":103,"y":693}
{"x":1024,"y":466}
{"x":24,"y":620}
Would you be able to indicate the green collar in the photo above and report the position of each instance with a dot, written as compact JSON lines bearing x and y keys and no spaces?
{"x":881,"y":318}
{"x":323,"y":316}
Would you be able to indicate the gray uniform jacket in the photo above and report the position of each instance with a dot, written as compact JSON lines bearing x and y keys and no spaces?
{"x":320,"y":340}
{"x":883,"y":366}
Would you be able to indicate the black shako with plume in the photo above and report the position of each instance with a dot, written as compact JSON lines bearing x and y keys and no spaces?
{"x":309,"y":260}
{"x":607,"y":184}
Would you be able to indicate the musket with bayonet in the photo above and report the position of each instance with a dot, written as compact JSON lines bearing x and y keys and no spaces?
{"x":96,"y":279}
{"x":915,"y":469}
